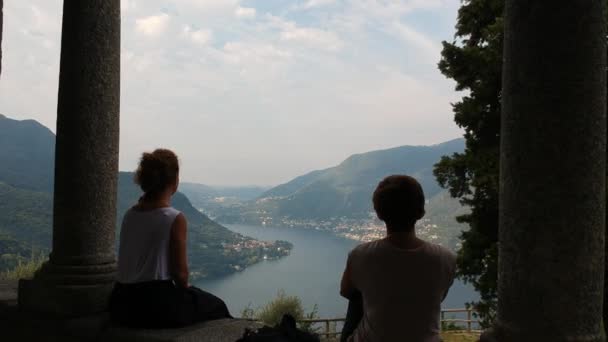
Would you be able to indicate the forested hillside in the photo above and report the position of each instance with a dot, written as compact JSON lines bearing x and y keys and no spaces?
{"x":26,"y":205}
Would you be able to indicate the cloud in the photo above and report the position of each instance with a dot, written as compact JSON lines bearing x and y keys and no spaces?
{"x":392,"y":8}
{"x":239,"y":52}
{"x":426,"y":44}
{"x":313,"y":37}
{"x":308,"y":36}
{"x":245,"y":12}
{"x":231,"y":84}
{"x":198,"y":36}
{"x":318,"y":3}
{"x":127,"y":6}
{"x":209,"y":6}
{"x":153,"y":25}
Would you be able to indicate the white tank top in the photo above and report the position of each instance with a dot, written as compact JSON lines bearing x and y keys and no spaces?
{"x":143,"y":254}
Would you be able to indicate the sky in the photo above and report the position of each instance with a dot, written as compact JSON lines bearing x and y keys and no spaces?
{"x":253,"y":92}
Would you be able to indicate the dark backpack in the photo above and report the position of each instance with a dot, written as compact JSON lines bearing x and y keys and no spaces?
{"x":286,"y":331}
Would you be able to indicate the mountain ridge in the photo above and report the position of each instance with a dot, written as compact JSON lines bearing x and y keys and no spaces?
{"x":32,"y":170}
{"x":345,"y":189}
{"x":26,"y":205}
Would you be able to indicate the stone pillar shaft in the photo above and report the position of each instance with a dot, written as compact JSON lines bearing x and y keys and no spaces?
{"x":86,"y":158}
{"x":552,"y":172}
{"x":79,"y":276}
{"x":1,"y":27}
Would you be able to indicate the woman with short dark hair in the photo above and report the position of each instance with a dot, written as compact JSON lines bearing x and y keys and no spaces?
{"x":152,"y":289}
{"x":400,"y":281}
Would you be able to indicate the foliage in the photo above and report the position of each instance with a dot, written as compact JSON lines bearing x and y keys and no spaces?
{"x":450,"y":326}
{"x":474,"y":60}
{"x":25,"y":215}
{"x":26,"y":205}
{"x":24,"y":269}
{"x":459,"y":337}
{"x":271,"y":313}
{"x":12,"y":252}
{"x":27,"y":154}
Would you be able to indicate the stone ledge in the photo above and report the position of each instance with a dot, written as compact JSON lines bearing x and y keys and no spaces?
{"x":17,"y":325}
{"x":223,"y":330}
{"x":8,"y":292}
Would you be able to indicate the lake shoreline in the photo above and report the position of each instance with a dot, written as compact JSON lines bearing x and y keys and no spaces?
{"x":312,"y":272}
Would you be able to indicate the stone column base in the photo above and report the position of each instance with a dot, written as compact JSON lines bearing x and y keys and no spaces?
{"x":83,"y":291}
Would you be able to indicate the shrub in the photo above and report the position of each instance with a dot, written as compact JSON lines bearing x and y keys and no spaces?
{"x":271,"y":313}
{"x":24,"y":269}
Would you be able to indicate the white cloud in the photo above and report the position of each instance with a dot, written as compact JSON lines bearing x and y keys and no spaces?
{"x":239,"y":52}
{"x":198,"y":36}
{"x":392,"y":8}
{"x":127,"y":6}
{"x":309,"y":36}
{"x":318,"y":3}
{"x":245,"y":12}
{"x":314,"y":37}
{"x":429,"y":46}
{"x":209,"y":5}
{"x":153,"y":25}
{"x":356,"y":73}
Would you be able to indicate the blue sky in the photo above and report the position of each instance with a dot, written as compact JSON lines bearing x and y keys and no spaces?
{"x":253,"y":91}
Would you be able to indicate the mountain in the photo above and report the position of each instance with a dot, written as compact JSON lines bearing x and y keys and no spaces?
{"x":13,"y":251}
{"x":27,"y":154}
{"x":205,"y":196}
{"x":129,"y":193}
{"x":338,"y":199}
{"x":344,"y":191}
{"x":26,"y":203}
{"x":26,"y":215}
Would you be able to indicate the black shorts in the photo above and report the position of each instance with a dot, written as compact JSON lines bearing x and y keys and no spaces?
{"x":162,"y":304}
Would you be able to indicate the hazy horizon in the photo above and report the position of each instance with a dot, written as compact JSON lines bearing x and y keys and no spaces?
{"x":294,"y":176}
{"x":253,"y":91}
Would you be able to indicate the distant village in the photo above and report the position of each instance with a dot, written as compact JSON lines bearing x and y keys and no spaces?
{"x":363,"y":230}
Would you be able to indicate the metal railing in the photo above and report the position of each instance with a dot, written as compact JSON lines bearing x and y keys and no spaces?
{"x":329,"y":326}
{"x":469,"y":321}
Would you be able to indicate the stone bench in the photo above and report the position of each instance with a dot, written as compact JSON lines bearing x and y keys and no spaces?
{"x":17,"y":325}
{"x":223,"y":330}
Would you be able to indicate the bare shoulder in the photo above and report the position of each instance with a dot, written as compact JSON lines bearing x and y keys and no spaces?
{"x":180,"y":225}
{"x":180,"y":219}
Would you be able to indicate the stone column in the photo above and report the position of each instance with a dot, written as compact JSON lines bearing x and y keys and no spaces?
{"x":1,"y":19}
{"x":552,"y":172}
{"x":78,"y":278}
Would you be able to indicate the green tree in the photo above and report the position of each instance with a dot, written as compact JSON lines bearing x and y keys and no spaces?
{"x":474,"y":60}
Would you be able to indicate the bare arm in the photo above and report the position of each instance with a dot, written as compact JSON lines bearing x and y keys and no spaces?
{"x":347,"y":288}
{"x":177,"y":250}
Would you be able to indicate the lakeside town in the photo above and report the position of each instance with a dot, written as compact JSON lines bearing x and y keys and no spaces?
{"x":363,"y":230}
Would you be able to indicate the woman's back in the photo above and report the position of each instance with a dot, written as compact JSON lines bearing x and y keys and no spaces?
{"x":152,"y":289}
{"x":144,"y":245}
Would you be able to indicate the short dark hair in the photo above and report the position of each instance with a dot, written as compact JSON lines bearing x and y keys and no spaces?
{"x":399,"y":201}
{"x":157,"y":171}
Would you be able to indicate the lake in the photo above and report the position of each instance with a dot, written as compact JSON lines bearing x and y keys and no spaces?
{"x":312,"y":271}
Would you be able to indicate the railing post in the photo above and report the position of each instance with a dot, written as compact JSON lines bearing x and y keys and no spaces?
{"x":327,"y":328}
{"x":469,"y":320}
{"x":441,"y":320}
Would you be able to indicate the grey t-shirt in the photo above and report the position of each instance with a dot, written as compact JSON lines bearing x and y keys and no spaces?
{"x":402,"y":290}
